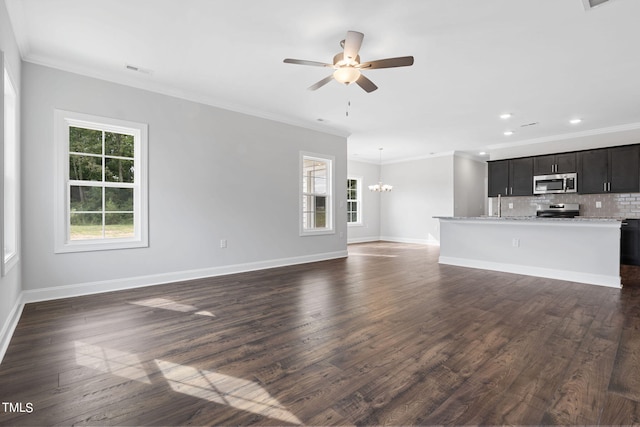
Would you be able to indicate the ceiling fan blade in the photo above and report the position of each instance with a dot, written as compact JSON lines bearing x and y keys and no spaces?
{"x":403,"y":61}
{"x":366,"y":84}
{"x":352,"y":44}
{"x":304,"y":62}
{"x":321,"y":83}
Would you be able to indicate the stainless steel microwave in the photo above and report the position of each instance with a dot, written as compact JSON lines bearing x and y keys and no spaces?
{"x":559,"y":183}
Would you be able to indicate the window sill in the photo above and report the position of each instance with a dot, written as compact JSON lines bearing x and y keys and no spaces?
{"x":9,"y":263}
{"x":317,"y":232}
{"x":89,"y":246}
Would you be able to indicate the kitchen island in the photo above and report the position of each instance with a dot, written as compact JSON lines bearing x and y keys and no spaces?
{"x":585,"y":250}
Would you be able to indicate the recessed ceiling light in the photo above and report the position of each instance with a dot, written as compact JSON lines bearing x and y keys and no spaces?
{"x":505,"y":116}
{"x":483,"y":153}
{"x":575,"y":121}
{"x":508,"y":133}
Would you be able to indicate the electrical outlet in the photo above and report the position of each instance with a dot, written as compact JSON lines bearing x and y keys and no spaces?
{"x":598,"y":205}
{"x":515,"y":243}
{"x":510,"y":205}
{"x":223,"y":243}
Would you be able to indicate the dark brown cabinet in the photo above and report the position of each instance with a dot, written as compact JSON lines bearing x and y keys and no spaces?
{"x":554,"y":163}
{"x":593,"y":171}
{"x":498,"y":175}
{"x":609,"y":170}
{"x":624,"y":169}
{"x":602,"y":170}
{"x":630,"y":242}
{"x":512,"y":177}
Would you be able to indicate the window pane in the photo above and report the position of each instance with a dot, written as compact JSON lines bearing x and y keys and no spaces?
{"x":307,"y":220}
{"x":85,"y":140}
{"x":116,"y":144}
{"x":320,"y":212}
{"x":319,"y":185}
{"x":316,"y":186}
{"x":11,"y":148}
{"x":118,"y":225}
{"x":314,"y":178}
{"x":320,"y":169}
{"x":118,"y":170}
{"x":86,"y":198}
{"x":85,"y":168}
{"x":118,"y":199}
{"x":85,"y":226}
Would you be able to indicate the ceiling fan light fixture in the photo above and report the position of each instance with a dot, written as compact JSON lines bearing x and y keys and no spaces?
{"x":347,"y":65}
{"x":346,"y":75}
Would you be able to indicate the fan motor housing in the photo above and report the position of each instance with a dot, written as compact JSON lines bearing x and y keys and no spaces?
{"x":339,"y":61}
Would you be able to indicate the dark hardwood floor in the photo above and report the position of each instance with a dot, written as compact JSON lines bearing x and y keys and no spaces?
{"x":385,"y":337}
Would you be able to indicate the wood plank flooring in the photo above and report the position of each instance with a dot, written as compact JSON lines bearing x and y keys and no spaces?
{"x":385,"y":337}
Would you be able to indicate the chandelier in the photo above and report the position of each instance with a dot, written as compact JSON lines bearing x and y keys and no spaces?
{"x":380,"y":187}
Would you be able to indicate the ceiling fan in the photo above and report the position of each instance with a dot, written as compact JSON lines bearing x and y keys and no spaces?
{"x":348,"y":67}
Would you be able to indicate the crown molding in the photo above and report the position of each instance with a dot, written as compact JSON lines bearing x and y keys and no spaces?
{"x":167,"y":90}
{"x":565,"y":136}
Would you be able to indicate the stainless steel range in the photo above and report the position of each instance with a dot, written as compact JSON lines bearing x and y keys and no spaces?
{"x":560,"y":210}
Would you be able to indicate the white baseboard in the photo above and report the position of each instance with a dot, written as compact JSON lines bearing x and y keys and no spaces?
{"x":363,"y":240}
{"x":9,"y":326}
{"x":570,"y":276}
{"x":428,"y":241}
{"x":91,"y":288}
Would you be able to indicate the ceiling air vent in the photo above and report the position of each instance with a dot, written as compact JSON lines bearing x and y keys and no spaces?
{"x":590,"y":4}
{"x":137,"y":69}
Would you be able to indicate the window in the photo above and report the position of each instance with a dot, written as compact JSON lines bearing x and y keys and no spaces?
{"x":316,"y":189}
{"x":354,"y":201}
{"x":101,"y":186}
{"x":10,"y":184}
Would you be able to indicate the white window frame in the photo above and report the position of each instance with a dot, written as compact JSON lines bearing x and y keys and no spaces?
{"x":63,"y":121}
{"x":330,"y":160}
{"x":358,"y":200}
{"x":10,"y":173}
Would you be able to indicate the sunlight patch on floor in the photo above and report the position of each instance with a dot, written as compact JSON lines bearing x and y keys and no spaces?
{"x":225,"y":390}
{"x":373,"y":255}
{"x":110,"y":361}
{"x":168,"y":304}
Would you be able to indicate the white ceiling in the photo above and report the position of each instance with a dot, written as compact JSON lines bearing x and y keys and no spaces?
{"x":545,"y":61}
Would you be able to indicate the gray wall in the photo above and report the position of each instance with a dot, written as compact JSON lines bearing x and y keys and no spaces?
{"x":10,"y":285}
{"x":421,"y":189}
{"x":470,"y":186}
{"x":213,"y":174}
{"x":370,"y":228}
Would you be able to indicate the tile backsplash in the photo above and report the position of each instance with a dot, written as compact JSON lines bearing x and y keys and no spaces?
{"x":623,"y":205}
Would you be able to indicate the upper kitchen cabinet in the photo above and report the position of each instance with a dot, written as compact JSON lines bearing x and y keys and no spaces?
{"x":554,"y":163}
{"x":609,"y":170}
{"x":512,"y":177}
{"x":624,"y":169}
{"x":498,"y":174}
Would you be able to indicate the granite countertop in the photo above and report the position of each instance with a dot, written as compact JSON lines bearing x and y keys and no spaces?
{"x":531,"y":218}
